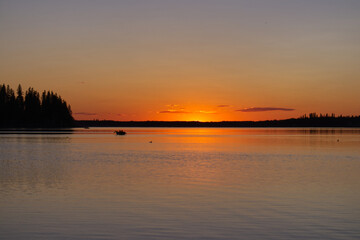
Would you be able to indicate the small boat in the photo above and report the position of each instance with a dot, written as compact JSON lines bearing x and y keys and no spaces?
{"x":120,"y":132}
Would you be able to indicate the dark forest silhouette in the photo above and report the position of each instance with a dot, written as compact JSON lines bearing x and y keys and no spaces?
{"x":32,"y":110}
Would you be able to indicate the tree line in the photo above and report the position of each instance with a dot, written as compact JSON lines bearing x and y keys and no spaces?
{"x":311,"y":120}
{"x":32,"y":109}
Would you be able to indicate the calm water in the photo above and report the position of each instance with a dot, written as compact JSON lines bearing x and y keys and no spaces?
{"x":186,"y":184}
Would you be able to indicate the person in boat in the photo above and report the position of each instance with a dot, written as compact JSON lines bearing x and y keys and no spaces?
{"x":120,"y":132}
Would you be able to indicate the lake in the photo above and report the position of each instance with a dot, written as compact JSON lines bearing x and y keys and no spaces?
{"x":180,"y":183}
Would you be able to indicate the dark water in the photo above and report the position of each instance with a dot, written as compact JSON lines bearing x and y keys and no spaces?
{"x":187,"y":184}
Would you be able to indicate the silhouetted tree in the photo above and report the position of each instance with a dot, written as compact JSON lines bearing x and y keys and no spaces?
{"x":19,"y":114}
{"x":3,"y":105}
{"x":32,"y":106}
{"x":31,"y":111}
{"x":313,"y":115}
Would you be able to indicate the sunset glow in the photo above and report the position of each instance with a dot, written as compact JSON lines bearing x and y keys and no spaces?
{"x":179,"y":119}
{"x":186,"y":60}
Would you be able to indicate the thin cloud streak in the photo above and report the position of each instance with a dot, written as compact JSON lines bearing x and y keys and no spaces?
{"x":207,"y":112}
{"x":85,"y":113}
{"x":172,"y":105}
{"x":186,"y":112}
{"x":264,"y":109}
{"x":223,"y":106}
{"x":173,"y":111}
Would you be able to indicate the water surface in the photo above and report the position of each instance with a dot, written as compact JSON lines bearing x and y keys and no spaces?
{"x":188,"y":183}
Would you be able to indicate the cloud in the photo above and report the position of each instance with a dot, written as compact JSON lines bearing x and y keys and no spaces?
{"x":186,"y":112}
{"x":264,"y":109}
{"x":174,"y":111}
{"x":115,"y":114}
{"x":222,"y":106}
{"x":207,"y":112}
{"x":172,"y":105}
{"x":85,"y":113}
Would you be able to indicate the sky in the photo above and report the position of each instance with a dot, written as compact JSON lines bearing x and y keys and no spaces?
{"x":187,"y":60}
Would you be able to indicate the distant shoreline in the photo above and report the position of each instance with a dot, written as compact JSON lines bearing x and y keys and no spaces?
{"x":346,"y":122}
{"x":313,"y":121}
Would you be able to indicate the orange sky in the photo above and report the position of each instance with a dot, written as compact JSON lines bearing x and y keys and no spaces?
{"x":186,"y":60}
